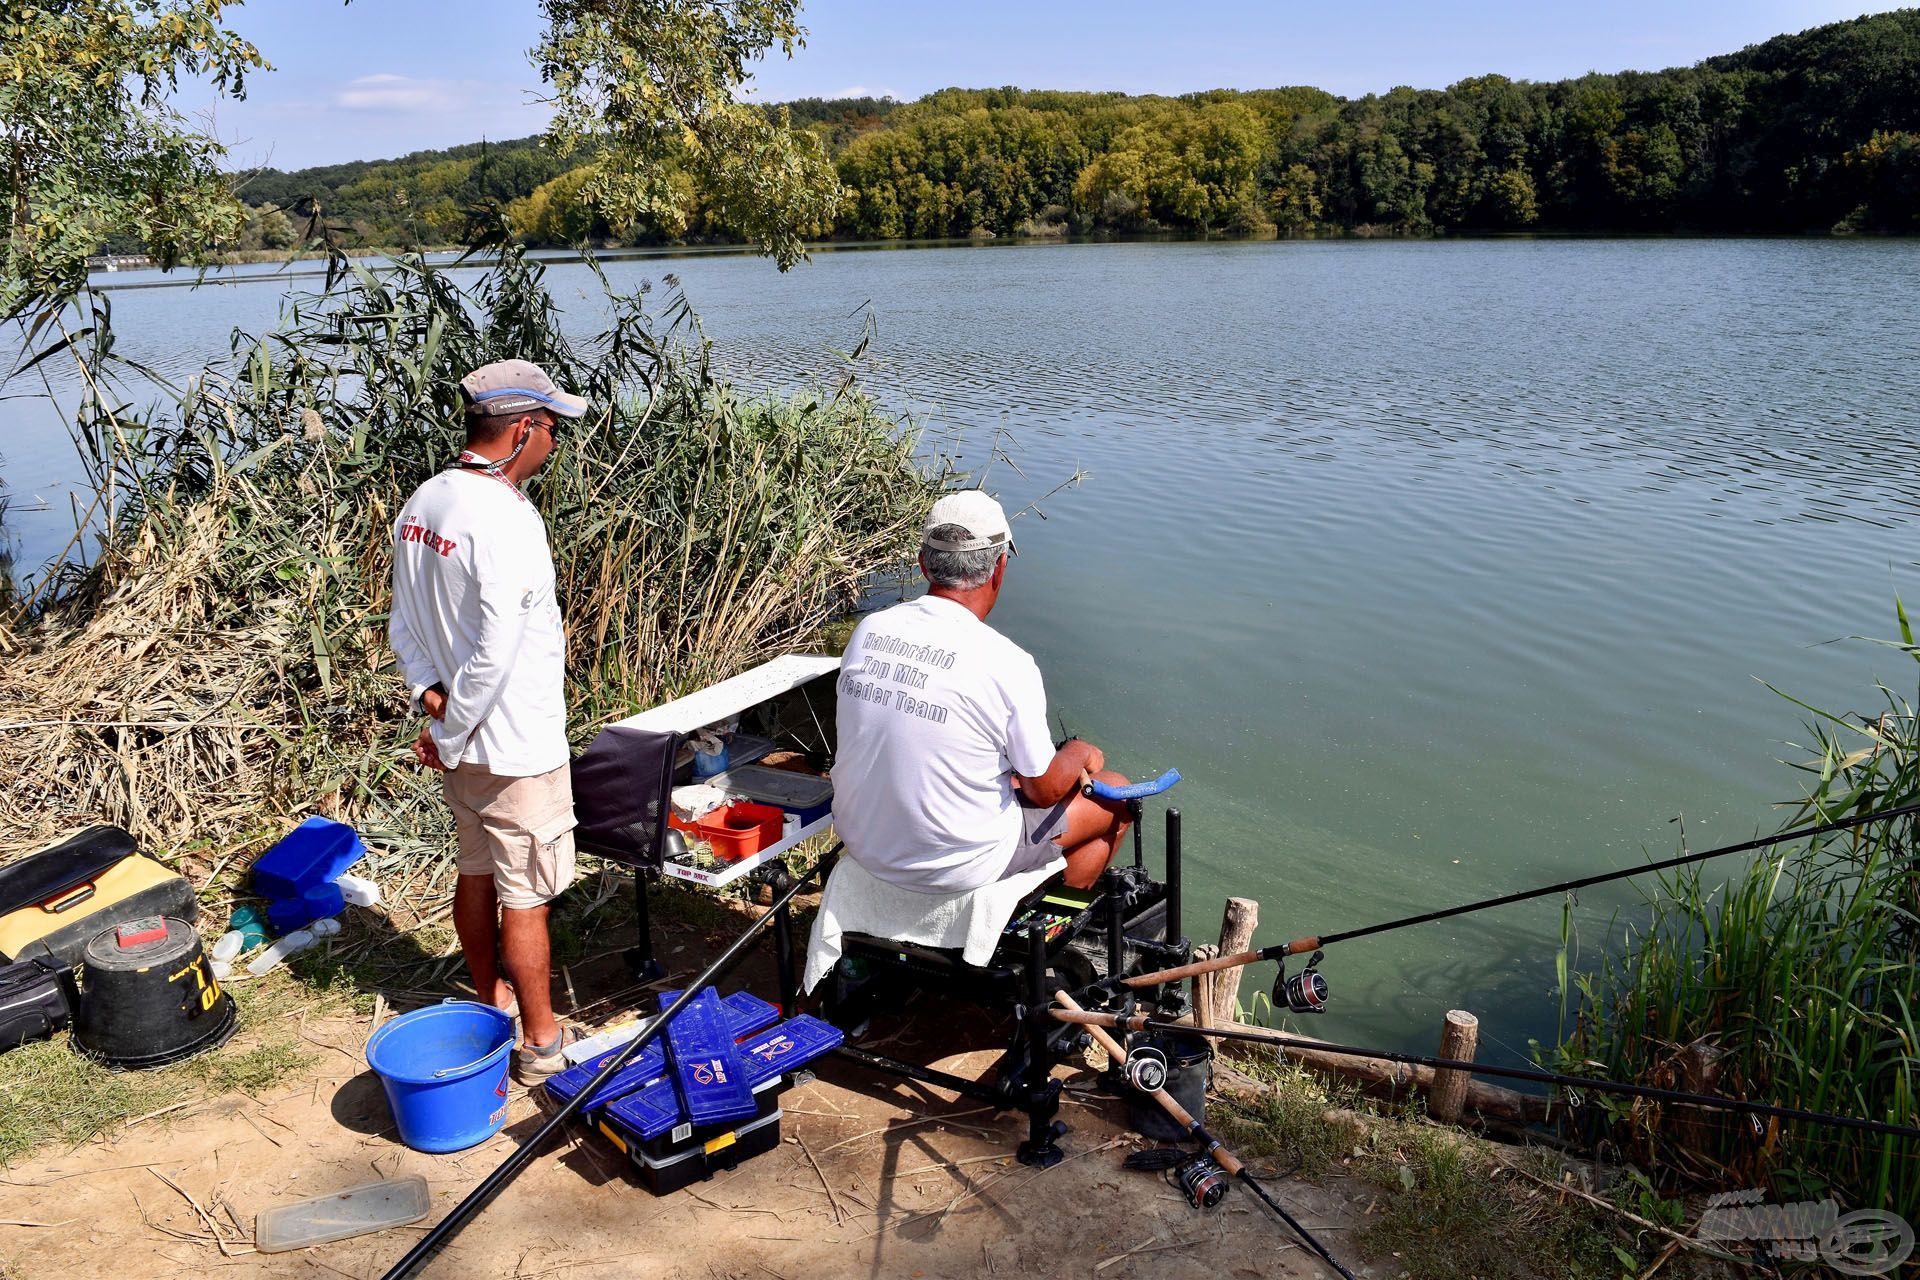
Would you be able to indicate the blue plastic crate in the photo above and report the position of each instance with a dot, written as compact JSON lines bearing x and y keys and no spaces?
{"x":284,"y":915}
{"x":313,"y":853}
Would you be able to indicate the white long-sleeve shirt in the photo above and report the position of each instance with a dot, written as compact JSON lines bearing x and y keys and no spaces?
{"x":474,"y":610}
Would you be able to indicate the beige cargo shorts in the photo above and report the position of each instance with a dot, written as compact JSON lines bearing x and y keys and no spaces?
{"x":519,"y":830}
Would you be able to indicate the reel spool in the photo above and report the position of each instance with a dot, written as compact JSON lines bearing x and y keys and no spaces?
{"x":1304,"y":992}
{"x":1203,"y":1182}
{"x":1146,"y":1068}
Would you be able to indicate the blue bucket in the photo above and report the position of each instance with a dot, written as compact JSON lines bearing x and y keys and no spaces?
{"x":445,"y":1071}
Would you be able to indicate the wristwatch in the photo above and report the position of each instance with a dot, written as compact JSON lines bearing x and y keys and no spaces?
{"x":418,"y":697}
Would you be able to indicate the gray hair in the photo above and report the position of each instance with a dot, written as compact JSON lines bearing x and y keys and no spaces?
{"x":962,"y":570}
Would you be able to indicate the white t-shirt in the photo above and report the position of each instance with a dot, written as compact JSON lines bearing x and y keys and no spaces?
{"x":473,"y":609}
{"x":937,"y":711}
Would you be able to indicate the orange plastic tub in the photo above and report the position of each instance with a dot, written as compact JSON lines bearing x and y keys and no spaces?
{"x":740,"y":830}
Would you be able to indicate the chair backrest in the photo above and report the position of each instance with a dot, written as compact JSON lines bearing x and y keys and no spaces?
{"x":621,"y":786}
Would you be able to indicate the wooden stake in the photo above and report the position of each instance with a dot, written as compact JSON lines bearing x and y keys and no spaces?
{"x":1459,"y":1036}
{"x":1202,"y":996}
{"x":1236,"y":935}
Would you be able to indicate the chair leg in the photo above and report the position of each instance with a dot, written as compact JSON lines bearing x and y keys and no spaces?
{"x":780,"y":880}
{"x":1042,"y":1094}
{"x":640,"y":960}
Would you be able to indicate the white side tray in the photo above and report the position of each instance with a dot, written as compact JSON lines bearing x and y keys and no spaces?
{"x":748,"y":689}
{"x":753,"y":862}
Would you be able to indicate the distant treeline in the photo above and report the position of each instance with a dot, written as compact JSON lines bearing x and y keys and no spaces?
{"x":1811,"y":132}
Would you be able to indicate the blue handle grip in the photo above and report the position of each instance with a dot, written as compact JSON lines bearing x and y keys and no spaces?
{"x":1136,"y":791}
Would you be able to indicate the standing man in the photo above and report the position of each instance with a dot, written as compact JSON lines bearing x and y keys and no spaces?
{"x":480,"y":642}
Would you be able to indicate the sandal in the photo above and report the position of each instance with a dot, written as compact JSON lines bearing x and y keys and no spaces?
{"x":531,"y":1065}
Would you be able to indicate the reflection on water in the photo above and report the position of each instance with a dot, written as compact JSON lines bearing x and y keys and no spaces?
{"x":1440,"y":569}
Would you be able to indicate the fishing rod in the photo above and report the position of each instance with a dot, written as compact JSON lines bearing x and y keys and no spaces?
{"x":1094,"y":1022}
{"x":523,"y":1155}
{"x":1210,"y":1145}
{"x":1281,"y":950}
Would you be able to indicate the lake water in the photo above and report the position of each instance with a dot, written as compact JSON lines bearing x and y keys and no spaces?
{"x":1440,"y":569}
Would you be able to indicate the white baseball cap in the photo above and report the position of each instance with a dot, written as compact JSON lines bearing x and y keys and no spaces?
{"x":515,"y":387}
{"x":975,"y":511}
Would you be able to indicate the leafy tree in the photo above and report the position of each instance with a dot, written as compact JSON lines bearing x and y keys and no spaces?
{"x":92,"y":146}
{"x":652,"y":86}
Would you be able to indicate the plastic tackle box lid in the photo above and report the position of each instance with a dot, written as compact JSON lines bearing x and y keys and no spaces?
{"x":775,"y":786}
{"x":706,"y":1062}
{"x":787,"y":1047}
{"x":746,"y":1014}
{"x":338,"y":1215}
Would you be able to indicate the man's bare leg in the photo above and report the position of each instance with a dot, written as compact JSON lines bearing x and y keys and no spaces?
{"x":1095,"y":830}
{"x":526,"y":955}
{"x":476,"y":920}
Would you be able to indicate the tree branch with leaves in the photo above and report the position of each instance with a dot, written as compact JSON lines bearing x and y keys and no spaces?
{"x":92,"y":147}
{"x":648,"y":85}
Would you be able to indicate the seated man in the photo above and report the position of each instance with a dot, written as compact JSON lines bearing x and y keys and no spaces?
{"x":946,"y":778}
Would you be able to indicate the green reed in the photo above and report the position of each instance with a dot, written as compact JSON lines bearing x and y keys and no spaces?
{"x":247,"y":517}
{"x":1794,"y":982}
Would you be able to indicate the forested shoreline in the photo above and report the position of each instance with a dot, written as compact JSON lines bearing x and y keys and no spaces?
{"x":1815,"y":132}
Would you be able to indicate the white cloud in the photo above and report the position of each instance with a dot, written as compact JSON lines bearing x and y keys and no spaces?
{"x":864,"y":91}
{"x":403,"y":93}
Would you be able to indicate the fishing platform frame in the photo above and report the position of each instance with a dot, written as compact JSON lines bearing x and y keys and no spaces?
{"x":1128,"y":924}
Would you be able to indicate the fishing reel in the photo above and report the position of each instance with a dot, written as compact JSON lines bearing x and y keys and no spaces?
{"x":1303,"y":992}
{"x":1203,"y":1182}
{"x":1200,"y":1178}
{"x":1146,"y":1067}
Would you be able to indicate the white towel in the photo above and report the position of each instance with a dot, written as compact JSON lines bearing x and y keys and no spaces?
{"x":855,"y":901}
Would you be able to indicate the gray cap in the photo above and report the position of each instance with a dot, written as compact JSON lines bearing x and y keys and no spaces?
{"x":517,"y":386}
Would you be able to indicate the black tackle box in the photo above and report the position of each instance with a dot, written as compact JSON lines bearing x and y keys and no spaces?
{"x":54,"y":902}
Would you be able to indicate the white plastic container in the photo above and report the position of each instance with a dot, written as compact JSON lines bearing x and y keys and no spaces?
{"x":358,"y":890}
{"x":340,"y":1215}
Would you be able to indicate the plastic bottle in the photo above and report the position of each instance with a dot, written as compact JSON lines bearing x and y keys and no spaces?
{"x":294,"y":943}
{"x":358,"y":890}
{"x":709,"y":755}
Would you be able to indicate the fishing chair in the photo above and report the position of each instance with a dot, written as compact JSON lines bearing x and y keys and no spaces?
{"x":1057,"y":938}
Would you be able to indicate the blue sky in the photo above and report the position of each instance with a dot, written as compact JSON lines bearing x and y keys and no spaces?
{"x":383,"y":77}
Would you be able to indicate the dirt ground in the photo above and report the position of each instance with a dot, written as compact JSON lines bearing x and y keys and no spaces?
{"x":874,"y":1177}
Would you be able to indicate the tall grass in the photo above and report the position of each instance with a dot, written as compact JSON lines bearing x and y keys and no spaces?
{"x":1793,"y":983}
{"x":221,"y":664}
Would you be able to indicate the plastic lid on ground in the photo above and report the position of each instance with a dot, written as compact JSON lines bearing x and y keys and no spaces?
{"x":339,"y":1215}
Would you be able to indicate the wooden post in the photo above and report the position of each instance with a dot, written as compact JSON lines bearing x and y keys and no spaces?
{"x":1459,"y":1036}
{"x":1236,"y":935}
{"x":1202,"y":994}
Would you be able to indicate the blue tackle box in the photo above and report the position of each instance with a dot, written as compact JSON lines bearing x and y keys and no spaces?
{"x":746,"y":1013}
{"x":648,"y":1121}
{"x":705,"y":1062}
{"x":653,"y":1121}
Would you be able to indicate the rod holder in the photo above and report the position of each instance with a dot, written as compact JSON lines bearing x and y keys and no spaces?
{"x":1116,"y":927}
{"x":1174,"y":931}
